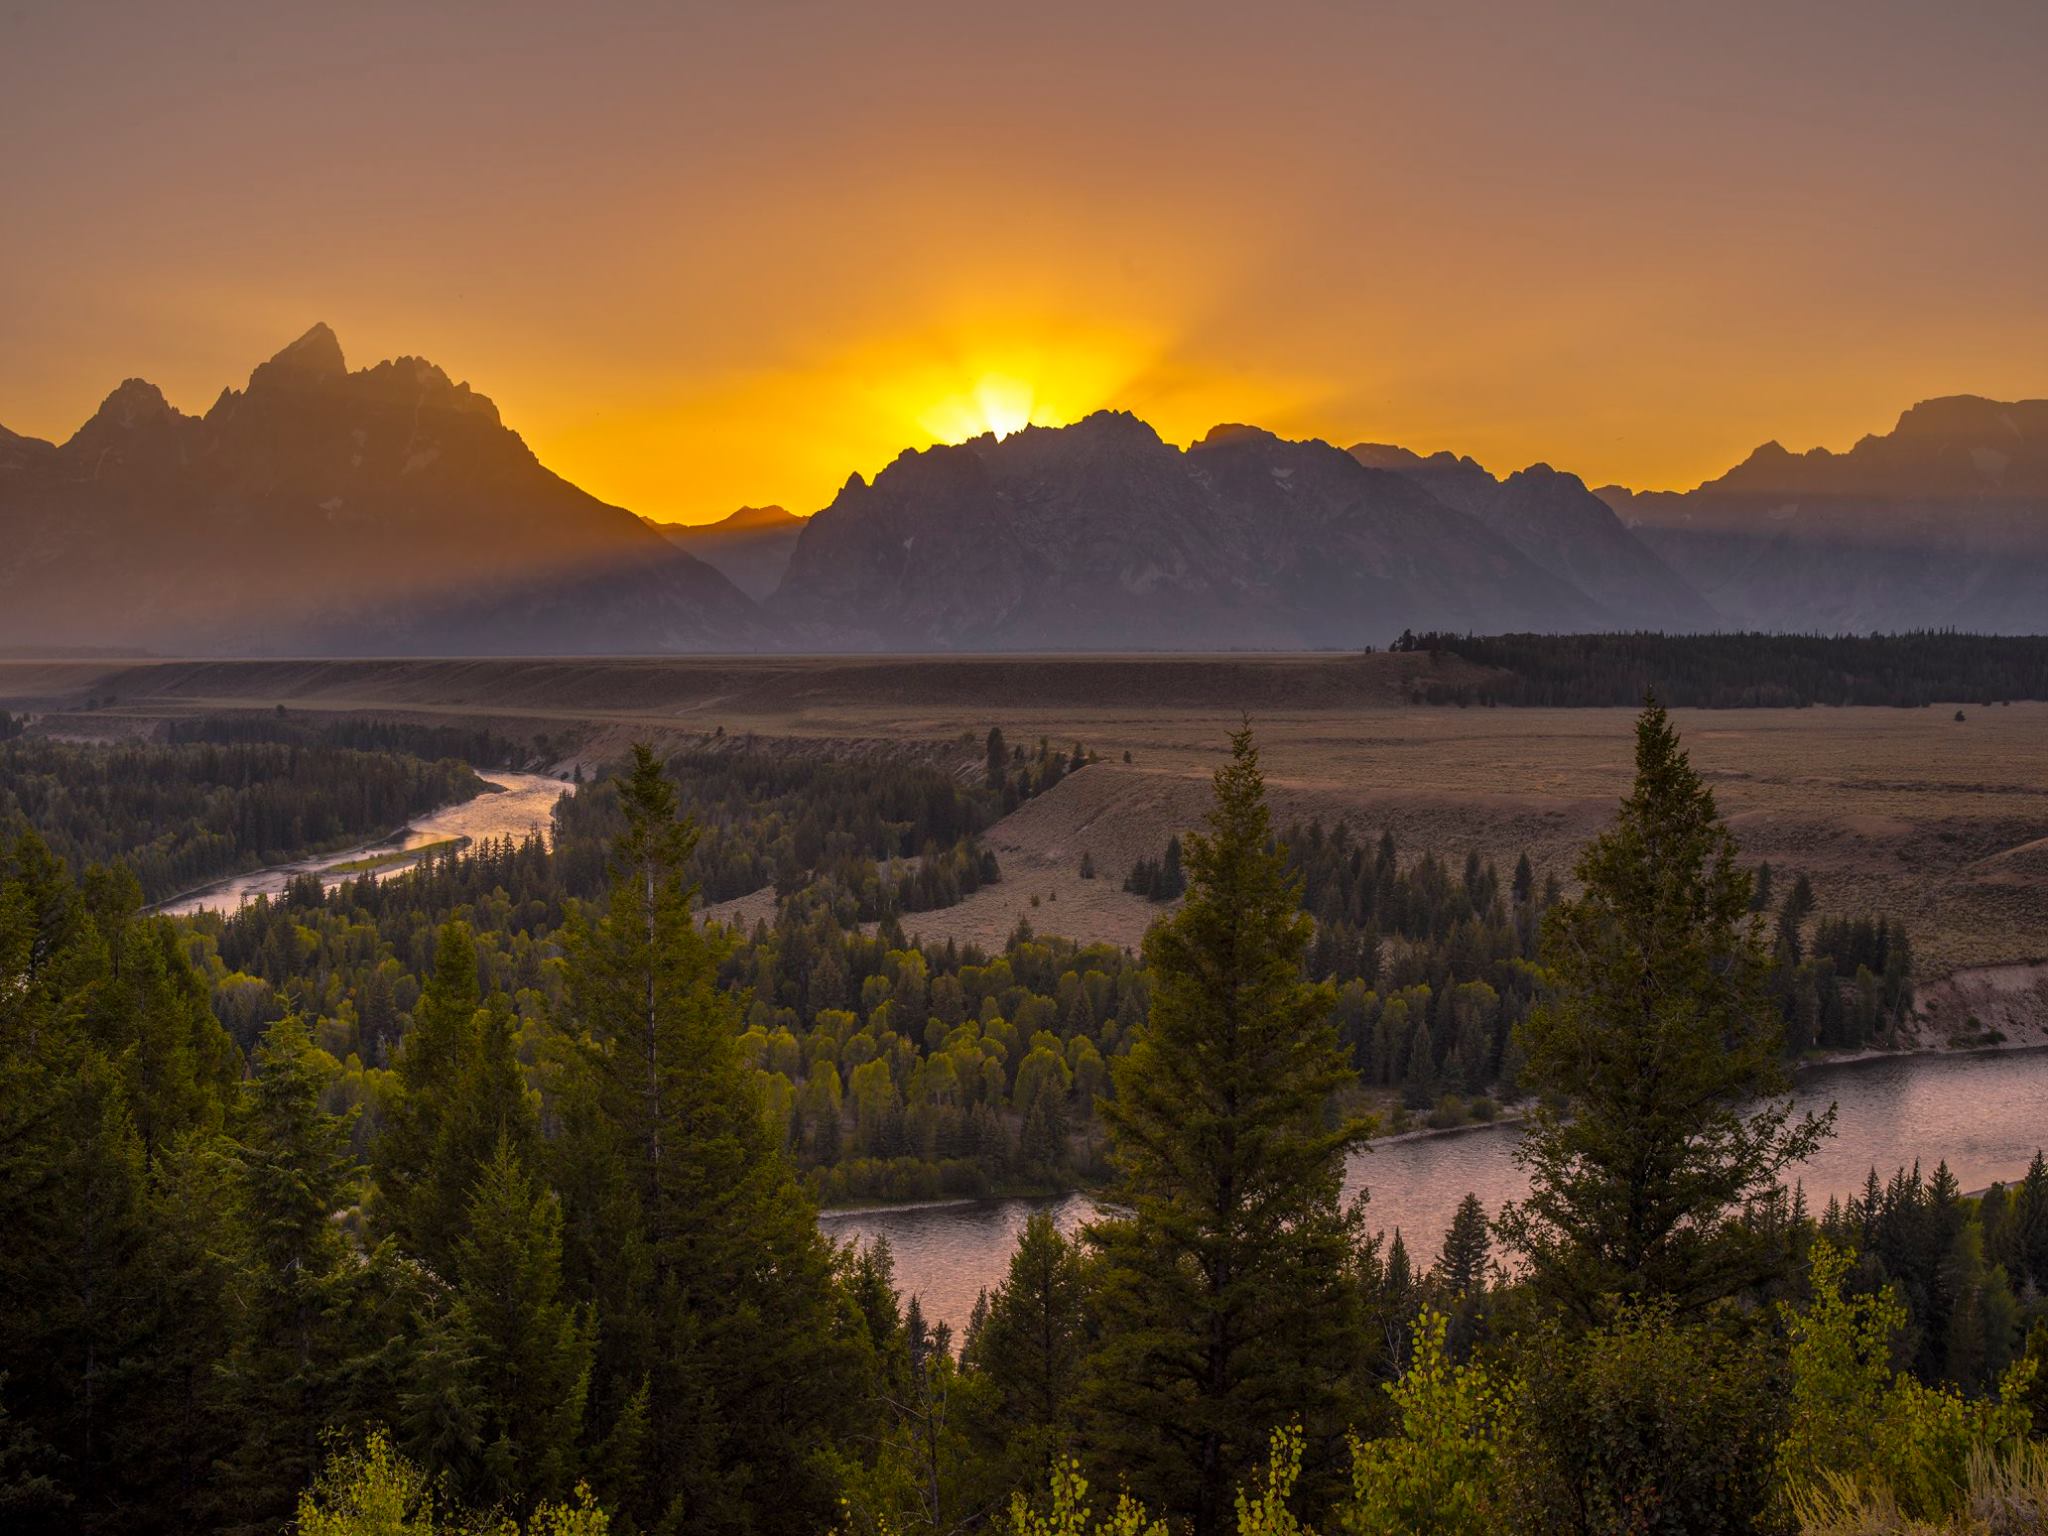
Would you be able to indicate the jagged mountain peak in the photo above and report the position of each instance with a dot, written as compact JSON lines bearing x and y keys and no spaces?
{"x":1393,"y":456}
{"x":325,"y":509}
{"x":1233,"y":432}
{"x":134,"y":405}
{"x":1550,"y":517}
{"x":314,"y":358}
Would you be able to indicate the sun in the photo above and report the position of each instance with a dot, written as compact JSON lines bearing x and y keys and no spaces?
{"x":1005,"y":404}
{"x":998,"y":403}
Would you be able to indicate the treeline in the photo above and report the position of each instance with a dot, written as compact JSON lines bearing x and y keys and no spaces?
{"x":1016,"y":773}
{"x":476,"y":745}
{"x":179,"y":816}
{"x":1739,"y":671}
{"x":896,"y":833}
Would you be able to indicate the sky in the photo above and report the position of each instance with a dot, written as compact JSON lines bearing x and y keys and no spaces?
{"x":704,"y":255}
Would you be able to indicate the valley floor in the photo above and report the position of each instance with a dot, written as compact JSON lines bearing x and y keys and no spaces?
{"x":1943,"y":823}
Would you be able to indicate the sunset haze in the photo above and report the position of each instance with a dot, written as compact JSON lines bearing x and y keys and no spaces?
{"x":709,"y":256}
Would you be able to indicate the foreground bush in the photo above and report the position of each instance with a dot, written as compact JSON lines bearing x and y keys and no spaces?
{"x":1863,"y":1436}
{"x":371,"y":1490}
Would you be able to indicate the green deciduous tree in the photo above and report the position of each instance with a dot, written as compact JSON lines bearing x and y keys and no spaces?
{"x":1433,"y":1475}
{"x":1857,"y":1429}
{"x":1645,"y":1425}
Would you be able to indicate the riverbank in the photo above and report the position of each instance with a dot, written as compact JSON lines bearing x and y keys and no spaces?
{"x":350,"y":858}
{"x":513,"y":805}
{"x":1978,"y":1111}
{"x":1509,"y":1116}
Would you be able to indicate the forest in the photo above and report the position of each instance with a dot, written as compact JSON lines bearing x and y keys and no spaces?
{"x":483,"y":1198}
{"x":1739,"y":671}
{"x":180,"y":816}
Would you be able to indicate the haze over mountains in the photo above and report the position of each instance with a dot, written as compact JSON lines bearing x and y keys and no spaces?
{"x":751,"y":547}
{"x":389,"y":511}
{"x":1940,"y":523}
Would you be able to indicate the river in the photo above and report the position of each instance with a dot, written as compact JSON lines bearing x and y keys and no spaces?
{"x":525,"y":802}
{"x":1985,"y":1112}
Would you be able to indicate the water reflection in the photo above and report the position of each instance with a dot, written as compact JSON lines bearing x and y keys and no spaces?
{"x":524,"y":804}
{"x":1985,"y":1113}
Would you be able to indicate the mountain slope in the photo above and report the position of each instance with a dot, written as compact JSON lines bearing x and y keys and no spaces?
{"x":1101,"y":536}
{"x":1561,"y":526}
{"x":385,"y":510}
{"x":1940,"y":523}
{"x":751,"y":547}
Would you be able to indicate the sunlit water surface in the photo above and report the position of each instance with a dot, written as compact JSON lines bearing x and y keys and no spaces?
{"x":1985,"y":1113}
{"x":525,"y":803}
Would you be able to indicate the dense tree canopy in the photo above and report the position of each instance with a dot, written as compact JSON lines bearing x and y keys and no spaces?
{"x":481,"y":1198}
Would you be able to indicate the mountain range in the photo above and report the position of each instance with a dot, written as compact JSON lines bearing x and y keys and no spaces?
{"x":389,"y":510}
{"x":384,"y":511}
{"x":1940,"y":523}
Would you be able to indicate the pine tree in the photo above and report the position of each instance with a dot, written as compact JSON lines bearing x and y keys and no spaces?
{"x":1029,"y":1346}
{"x":1461,"y":1277}
{"x":308,"y":1330}
{"x":461,"y":1093}
{"x":1225,"y":1282}
{"x":530,"y":1348}
{"x":2030,"y":1223}
{"x":722,"y":1314}
{"x":1792,"y":916}
{"x":1462,"y":1267}
{"x":1663,"y":1045}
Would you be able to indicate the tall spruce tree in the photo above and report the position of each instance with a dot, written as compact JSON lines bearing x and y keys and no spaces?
{"x":459,"y":1093}
{"x":1462,"y":1266}
{"x":527,"y":1350}
{"x":1029,"y":1345}
{"x":1225,"y":1280}
{"x":724,"y":1322}
{"x":1658,"y":1050}
{"x":306,"y":1357}
{"x":114,"y":1082}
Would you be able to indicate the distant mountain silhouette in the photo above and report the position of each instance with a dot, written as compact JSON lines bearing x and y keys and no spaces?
{"x":1561,"y":526}
{"x":318,"y":510}
{"x":389,"y":511}
{"x":1100,"y":535}
{"x":1942,"y":522}
{"x":751,"y":547}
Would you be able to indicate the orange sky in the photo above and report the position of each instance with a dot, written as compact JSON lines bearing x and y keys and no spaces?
{"x":724,"y":253}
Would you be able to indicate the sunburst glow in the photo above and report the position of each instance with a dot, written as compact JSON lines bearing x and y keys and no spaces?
{"x":995,"y":404}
